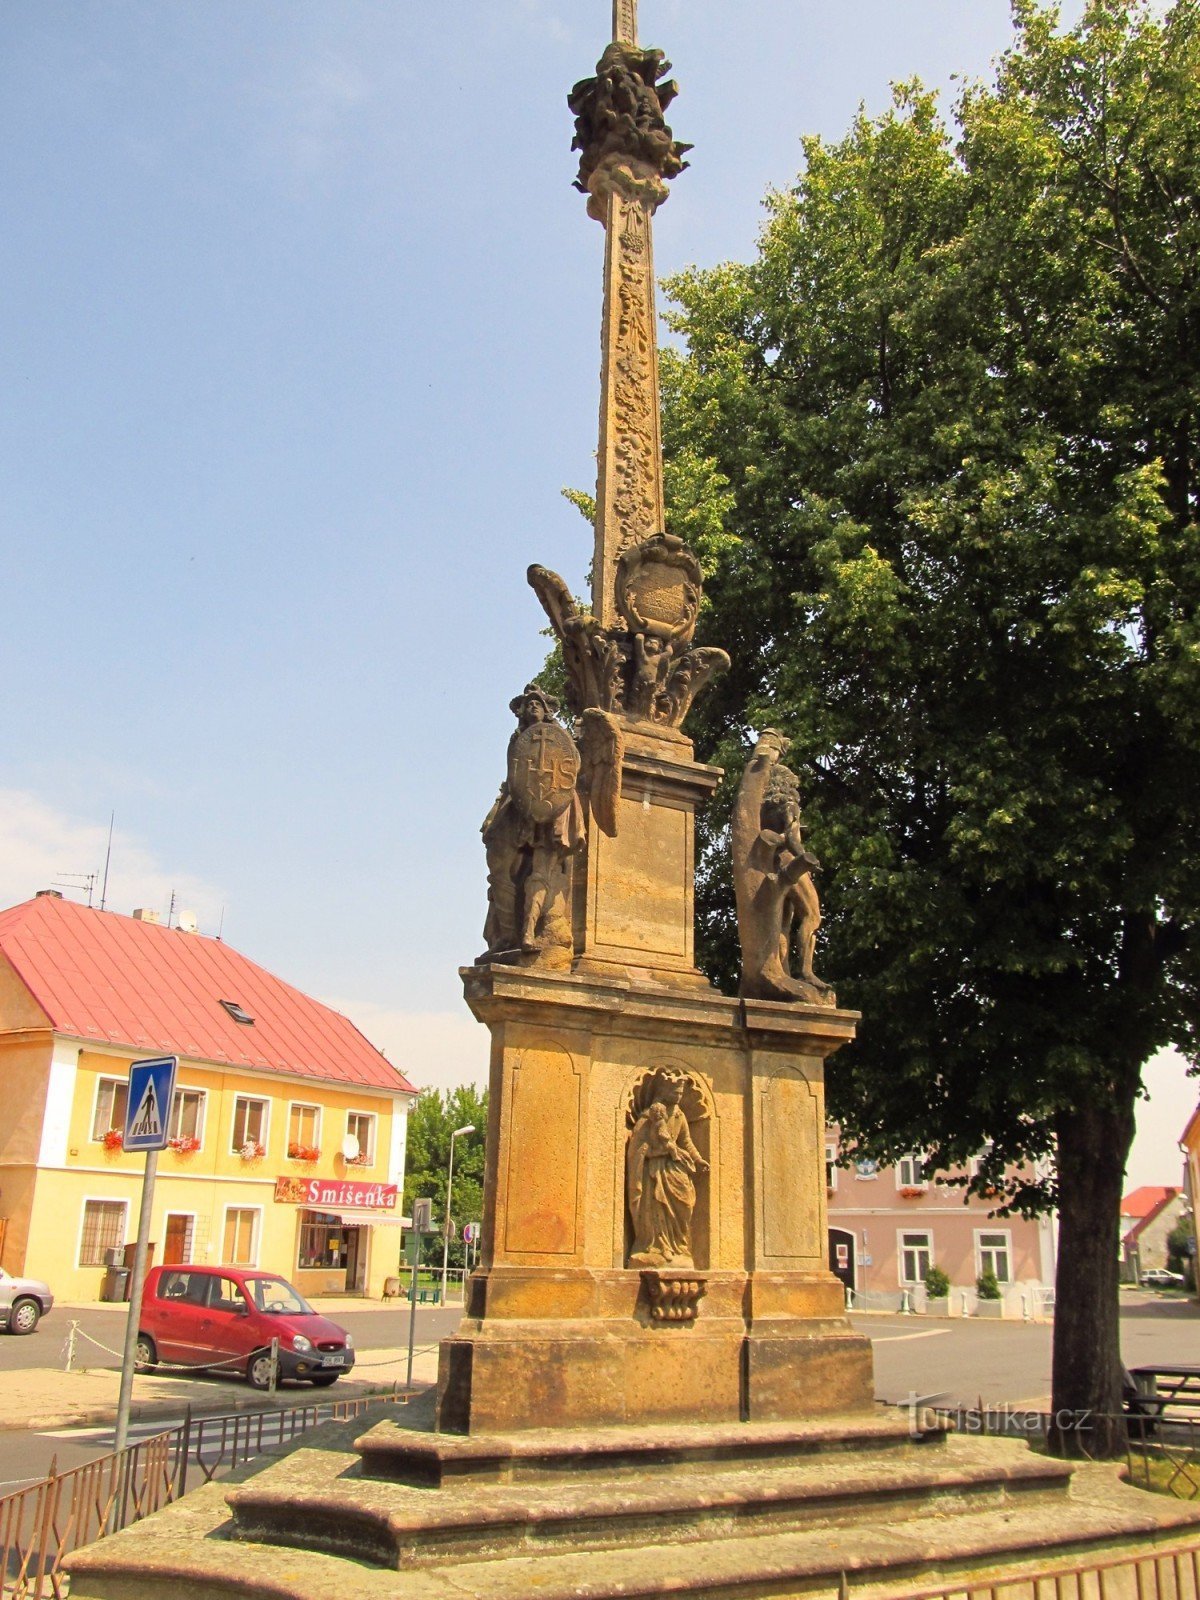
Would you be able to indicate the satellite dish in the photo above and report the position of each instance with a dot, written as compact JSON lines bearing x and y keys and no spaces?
{"x":350,"y":1147}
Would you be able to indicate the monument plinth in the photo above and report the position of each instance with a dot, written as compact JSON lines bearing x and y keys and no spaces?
{"x":654,"y":1231}
{"x":565,"y":1318}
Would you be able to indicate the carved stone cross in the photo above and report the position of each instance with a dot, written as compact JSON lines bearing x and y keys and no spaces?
{"x":625,"y":21}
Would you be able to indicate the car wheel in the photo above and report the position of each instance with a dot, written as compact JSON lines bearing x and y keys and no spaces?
{"x":24,"y":1316}
{"x":145,"y":1356}
{"x":258,"y":1370}
{"x":324,"y":1379}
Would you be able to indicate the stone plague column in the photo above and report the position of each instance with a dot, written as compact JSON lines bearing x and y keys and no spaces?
{"x":624,"y":193}
{"x":654,"y":1234}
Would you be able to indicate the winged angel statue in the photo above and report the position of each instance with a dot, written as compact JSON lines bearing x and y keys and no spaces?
{"x":649,"y":671}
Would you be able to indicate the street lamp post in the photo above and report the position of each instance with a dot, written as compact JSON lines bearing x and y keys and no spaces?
{"x":470,"y":1128}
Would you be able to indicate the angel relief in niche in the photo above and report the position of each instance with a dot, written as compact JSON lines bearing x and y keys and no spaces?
{"x":662,"y":1164}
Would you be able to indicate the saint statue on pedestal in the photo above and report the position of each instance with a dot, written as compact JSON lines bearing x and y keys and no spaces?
{"x":660,"y":1162}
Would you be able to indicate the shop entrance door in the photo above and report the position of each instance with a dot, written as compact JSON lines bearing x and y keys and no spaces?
{"x":356,"y":1260}
{"x":177,"y":1251}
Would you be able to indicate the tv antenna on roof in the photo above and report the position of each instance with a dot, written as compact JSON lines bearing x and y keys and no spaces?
{"x":77,"y":880}
{"x":112,"y":817}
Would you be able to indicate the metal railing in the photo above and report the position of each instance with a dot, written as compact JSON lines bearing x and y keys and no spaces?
{"x":43,"y":1523}
{"x":1162,"y":1452}
{"x":1169,"y":1574}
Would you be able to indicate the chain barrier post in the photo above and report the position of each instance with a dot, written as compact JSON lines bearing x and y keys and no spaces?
{"x":274,"y":1364}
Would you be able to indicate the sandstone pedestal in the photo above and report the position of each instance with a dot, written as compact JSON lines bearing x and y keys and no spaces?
{"x":559,"y":1329}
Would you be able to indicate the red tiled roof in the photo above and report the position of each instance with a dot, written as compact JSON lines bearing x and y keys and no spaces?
{"x":116,"y":980}
{"x":1145,"y":1201}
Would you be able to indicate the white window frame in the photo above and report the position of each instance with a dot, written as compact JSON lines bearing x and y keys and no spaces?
{"x":976,"y":1161}
{"x":201,"y":1114}
{"x":981,"y":1266}
{"x":250,"y":1099}
{"x":105,"y":1200}
{"x":105,"y":1077}
{"x":191,"y":1215}
{"x":373,"y":1143}
{"x":908,"y":1172}
{"x":903,"y":1234}
{"x":304,"y":1105}
{"x":255,"y":1235}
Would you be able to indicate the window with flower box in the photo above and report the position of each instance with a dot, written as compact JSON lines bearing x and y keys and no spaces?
{"x":112,"y":1096}
{"x":910,"y":1173}
{"x":360,"y":1125}
{"x":187,"y":1119}
{"x":304,"y":1132}
{"x":249,"y":1123}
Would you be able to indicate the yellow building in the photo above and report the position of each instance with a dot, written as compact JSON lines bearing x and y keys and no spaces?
{"x":287,"y":1126}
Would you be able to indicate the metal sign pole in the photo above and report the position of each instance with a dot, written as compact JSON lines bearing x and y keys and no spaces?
{"x":129,"y":1353}
{"x":150,"y":1097}
{"x":414,"y":1246}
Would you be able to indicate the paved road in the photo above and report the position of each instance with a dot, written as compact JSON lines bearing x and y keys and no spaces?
{"x":1001,"y":1362}
{"x":1009,"y":1362}
{"x":102,"y":1329}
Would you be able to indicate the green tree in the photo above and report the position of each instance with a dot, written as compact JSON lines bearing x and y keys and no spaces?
{"x":430,"y":1123}
{"x":952,"y":417}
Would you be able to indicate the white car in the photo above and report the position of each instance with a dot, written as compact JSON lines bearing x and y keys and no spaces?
{"x":1160,"y":1278}
{"x":23,"y":1302}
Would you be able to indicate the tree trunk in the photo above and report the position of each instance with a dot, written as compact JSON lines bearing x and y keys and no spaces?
{"x":1093,"y":1143}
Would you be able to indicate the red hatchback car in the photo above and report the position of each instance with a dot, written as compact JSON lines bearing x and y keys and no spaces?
{"x":227,"y":1317}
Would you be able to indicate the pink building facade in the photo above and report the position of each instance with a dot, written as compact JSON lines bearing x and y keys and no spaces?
{"x":888,"y":1226}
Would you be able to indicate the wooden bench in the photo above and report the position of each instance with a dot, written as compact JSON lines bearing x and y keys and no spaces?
{"x":1166,"y":1393}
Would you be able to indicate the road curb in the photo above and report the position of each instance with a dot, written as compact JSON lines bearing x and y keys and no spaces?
{"x":100,"y":1416}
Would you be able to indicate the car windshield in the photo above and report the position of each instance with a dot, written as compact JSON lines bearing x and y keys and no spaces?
{"x":277,"y":1297}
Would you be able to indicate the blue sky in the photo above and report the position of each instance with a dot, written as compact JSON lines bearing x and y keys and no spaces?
{"x":300,"y":322}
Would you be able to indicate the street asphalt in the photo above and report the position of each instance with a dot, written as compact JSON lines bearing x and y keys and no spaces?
{"x":959,"y":1361}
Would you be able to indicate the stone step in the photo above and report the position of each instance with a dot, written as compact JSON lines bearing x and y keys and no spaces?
{"x":432,"y":1459}
{"x":189,"y":1553}
{"x":315,"y":1503}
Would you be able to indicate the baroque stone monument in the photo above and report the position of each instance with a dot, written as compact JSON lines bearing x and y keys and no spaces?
{"x":654,"y":1388}
{"x":654,"y":1235}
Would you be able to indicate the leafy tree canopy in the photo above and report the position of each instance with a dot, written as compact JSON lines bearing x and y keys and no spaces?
{"x":430,"y":1123}
{"x":938,"y":446}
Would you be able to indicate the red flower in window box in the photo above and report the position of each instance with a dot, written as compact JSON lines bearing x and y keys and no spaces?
{"x":252,"y":1150}
{"x":910,"y":1192}
{"x":362,"y":1159}
{"x":114,"y":1139}
{"x":304,"y":1152}
{"x":184,"y":1144}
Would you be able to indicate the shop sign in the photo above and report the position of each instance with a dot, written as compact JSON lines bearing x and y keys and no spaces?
{"x":331,"y":1194}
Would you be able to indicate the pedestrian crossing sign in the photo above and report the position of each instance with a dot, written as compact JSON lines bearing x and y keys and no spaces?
{"x":148,"y":1107}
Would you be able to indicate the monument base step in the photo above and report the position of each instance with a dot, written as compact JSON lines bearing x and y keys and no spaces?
{"x":881,"y":1519}
{"x":549,"y":1454}
{"x":312,"y":1505}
